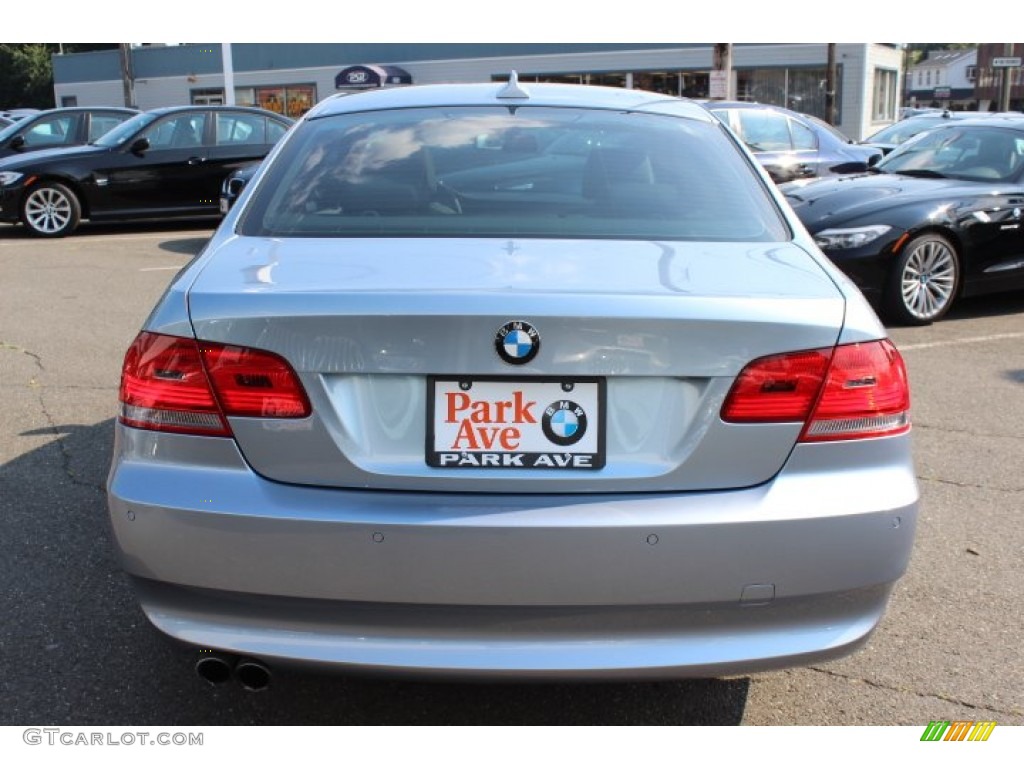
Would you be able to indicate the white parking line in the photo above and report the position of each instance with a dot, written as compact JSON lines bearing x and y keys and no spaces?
{"x":158,"y":269}
{"x":153,"y":236}
{"x":954,"y":342}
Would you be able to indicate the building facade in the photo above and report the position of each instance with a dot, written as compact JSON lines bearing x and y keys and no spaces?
{"x":990,"y":80}
{"x":944,"y":79}
{"x":290,"y":78}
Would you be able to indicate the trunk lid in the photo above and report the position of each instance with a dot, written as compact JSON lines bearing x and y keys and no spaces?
{"x":377,"y":329}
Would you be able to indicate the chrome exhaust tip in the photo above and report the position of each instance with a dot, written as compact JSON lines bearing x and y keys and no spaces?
{"x":213,"y":669}
{"x":252,"y":675}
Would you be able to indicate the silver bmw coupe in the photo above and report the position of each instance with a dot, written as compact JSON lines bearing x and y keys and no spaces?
{"x":513,"y":380}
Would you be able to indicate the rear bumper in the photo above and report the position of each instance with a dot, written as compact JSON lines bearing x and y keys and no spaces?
{"x":547,"y":642}
{"x":658,"y":585}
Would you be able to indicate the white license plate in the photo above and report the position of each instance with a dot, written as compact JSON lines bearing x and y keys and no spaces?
{"x":498,"y":423}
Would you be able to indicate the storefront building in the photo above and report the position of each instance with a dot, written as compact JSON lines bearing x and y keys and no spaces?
{"x":290,"y":78}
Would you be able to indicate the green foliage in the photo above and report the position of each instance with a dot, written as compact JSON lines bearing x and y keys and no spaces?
{"x":26,"y":71}
{"x":919,"y":51}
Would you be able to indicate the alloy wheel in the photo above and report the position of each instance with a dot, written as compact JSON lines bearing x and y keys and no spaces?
{"x":51,"y":210}
{"x":928,"y":279}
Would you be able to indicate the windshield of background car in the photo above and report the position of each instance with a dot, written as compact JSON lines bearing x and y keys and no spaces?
{"x":512,"y":172}
{"x":899,"y":132}
{"x":125,"y":130}
{"x":968,"y":153}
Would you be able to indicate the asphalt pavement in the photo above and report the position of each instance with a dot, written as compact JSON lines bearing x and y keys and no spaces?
{"x":76,"y":650}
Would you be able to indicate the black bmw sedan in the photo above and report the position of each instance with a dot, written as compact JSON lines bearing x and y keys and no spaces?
{"x":163,"y":163}
{"x":939,"y":218}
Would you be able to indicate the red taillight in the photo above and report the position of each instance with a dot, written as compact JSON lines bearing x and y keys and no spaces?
{"x":866,"y":395}
{"x":251,"y":382}
{"x":174,"y":384}
{"x":851,"y":392}
{"x":777,"y":388}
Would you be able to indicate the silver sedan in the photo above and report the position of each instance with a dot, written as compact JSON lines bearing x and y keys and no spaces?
{"x":512,"y":380}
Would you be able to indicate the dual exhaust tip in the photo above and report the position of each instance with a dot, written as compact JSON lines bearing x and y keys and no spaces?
{"x":216,"y":669}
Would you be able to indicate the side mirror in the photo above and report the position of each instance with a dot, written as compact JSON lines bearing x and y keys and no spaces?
{"x":874,"y":160}
{"x":139,"y":146}
{"x":17,"y":142}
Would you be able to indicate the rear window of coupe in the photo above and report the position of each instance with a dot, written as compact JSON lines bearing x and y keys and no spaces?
{"x":512,"y":172}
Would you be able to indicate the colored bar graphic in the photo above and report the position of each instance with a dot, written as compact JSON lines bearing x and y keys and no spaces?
{"x":958,"y":730}
{"x":982,"y":730}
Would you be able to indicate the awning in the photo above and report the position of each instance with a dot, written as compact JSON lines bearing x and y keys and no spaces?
{"x":371,"y":76}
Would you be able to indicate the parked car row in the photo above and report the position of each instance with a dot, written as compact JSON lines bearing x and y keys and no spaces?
{"x":163,"y":163}
{"x":942,"y":216}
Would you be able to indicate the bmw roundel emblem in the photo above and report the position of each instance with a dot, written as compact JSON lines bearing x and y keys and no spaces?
{"x":564,"y":422}
{"x":517,"y":342}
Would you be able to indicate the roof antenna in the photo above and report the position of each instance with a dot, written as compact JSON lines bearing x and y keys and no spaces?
{"x":512,"y":89}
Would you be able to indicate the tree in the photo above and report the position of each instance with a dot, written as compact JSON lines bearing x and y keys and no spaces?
{"x":919,"y":51}
{"x":26,"y":71}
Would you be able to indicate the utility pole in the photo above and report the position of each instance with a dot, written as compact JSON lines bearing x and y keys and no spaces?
{"x":127,"y":78}
{"x":227,"y":59}
{"x":721,"y":72}
{"x":1004,"y":96}
{"x":830,"y":86}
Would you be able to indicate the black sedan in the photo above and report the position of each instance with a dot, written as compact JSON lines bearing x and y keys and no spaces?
{"x":164,"y":163}
{"x":64,"y":127}
{"x":940,"y":217}
{"x":791,"y":145}
{"x":233,"y":185}
{"x":890,"y":137}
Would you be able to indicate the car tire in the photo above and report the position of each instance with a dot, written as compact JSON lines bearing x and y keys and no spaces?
{"x":924,"y":281}
{"x":51,"y":210}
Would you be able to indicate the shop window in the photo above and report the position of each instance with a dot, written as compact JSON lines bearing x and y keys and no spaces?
{"x":206,"y":96}
{"x":291,"y":100}
{"x":802,"y":90}
{"x":884,"y":104}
